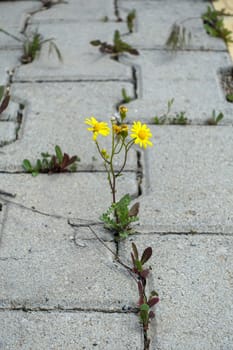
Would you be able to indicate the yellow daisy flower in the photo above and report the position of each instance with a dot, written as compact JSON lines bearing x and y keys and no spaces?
{"x":141,"y":134}
{"x":97,"y":127}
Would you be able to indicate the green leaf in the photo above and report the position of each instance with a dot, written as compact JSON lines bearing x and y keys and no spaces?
{"x":59,"y":154}
{"x":144,"y":307}
{"x":138,"y":265}
{"x":27,"y":165}
{"x":219,"y":117}
{"x":229,"y":97}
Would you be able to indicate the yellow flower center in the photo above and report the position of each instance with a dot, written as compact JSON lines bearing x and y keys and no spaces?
{"x":142,"y":134}
{"x":96,"y":127}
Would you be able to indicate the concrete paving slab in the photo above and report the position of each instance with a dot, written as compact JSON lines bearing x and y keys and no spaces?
{"x":76,"y":195}
{"x":193,"y":275}
{"x":42,"y":267}
{"x":155,"y":19}
{"x":81,"y":60}
{"x":55,"y":114}
{"x":77,"y":11}
{"x":8,"y":61}
{"x":70,"y":331}
{"x":13,"y":17}
{"x":7,"y":132}
{"x":188,"y":180}
{"x":189,"y":78}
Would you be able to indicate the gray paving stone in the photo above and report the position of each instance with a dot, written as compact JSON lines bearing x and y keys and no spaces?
{"x":13,"y":16}
{"x":55,"y":114}
{"x":78,"y":195}
{"x":193,"y":275}
{"x":70,"y":331}
{"x":8,"y":61}
{"x":7,"y":132}
{"x":81,"y":60}
{"x":155,"y":19}
{"x":42,"y":267}
{"x":188,"y":184}
{"x":189,"y":78}
{"x":76,"y":10}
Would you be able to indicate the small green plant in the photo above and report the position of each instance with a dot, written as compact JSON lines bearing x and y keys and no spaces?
{"x":119,"y":217}
{"x":32,"y":44}
{"x":51,"y":164}
{"x":4,"y":98}
{"x":145,"y":303}
{"x":179,"y":119}
{"x":167,"y":118}
{"x":125,"y":97}
{"x":178,"y":38}
{"x":130,"y":20}
{"x":159,"y":120}
{"x":215,"y":118}
{"x":104,"y":19}
{"x":118,"y":47}
{"x":214,"y":26}
{"x":229,"y":97}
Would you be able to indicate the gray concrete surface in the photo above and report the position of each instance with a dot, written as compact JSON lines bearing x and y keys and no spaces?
{"x":60,"y":287}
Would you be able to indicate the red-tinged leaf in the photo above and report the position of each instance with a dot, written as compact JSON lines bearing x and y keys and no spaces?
{"x":135,"y":251}
{"x":134,"y":210}
{"x":151,"y":315}
{"x":65,"y":161}
{"x":146,"y":255}
{"x":72,"y":160}
{"x":4,"y":103}
{"x":153,"y":301}
{"x":145,"y":273}
{"x":133,"y":260}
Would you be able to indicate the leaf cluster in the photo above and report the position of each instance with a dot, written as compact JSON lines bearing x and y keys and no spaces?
{"x":118,"y":217}
{"x":4,"y":98}
{"x":214,"y":26}
{"x":51,"y":164}
{"x":118,"y":47}
{"x":215,"y":118}
{"x":179,"y":119}
{"x":32,"y":46}
{"x":167,"y":118}
{"x":144,"y":303}
{"x":178,"y":38}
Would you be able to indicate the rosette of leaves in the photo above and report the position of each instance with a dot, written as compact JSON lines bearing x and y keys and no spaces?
{"x":51,"y":164}
{"x":118,"y":47}
{"x":118,"y":217}
{"x":4,"y":98}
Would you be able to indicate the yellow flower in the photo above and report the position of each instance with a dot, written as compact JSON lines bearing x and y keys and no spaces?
{"x":141,"y":134}
{"x":123,"y":111}
{"x":97,"y":127}
{"x":123,"y":128}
